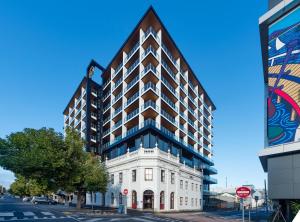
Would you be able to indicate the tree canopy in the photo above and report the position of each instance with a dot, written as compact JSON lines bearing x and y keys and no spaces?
{"x":45,"y":158}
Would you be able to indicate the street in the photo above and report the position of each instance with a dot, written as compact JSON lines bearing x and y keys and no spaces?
{"x":13,"y":209}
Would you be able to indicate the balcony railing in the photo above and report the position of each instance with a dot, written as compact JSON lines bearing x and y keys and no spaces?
{"x":169,"y":54}
{"x":106,"y":107}
{"x":94,"y":115}
{"x":132,"y":130}
{"x":106,"y":132}
{"x":132,"y":67}
{"x":132,"y":51}
{"x":169,"y":71}
{"x":148,"y":68}
{"x":119,"y":67}
{"x":150,"y":85}
{"x":184,"y":103}
{"x":210,"y":179}
{"x":132,"y":114}
{"x":149,"y":50}
{"x":168,"y":101}
{"x":168,"y":85}
{"x":106,"y":119}
{"x":151,"y":104}
{"x":117,"y":124}
{"x":117,"y":97}
{"x":150,"y":31}
{"x":169,"y":117}
{"x":117,"y":111}
{"x":117,"y":83}
{"x":134,"y":81}
{"x":131,"y":99}
{"x":183,"y":115}
{"x":183,"y":89}
{"x":192,"y":123}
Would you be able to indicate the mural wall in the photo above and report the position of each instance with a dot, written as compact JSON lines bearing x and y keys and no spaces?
{"x":284,"y":80}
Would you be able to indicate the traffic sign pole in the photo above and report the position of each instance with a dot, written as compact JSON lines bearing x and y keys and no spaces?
{"x":243,"y":192}
{"x":243,"y":213}
{"x":125,"y":192}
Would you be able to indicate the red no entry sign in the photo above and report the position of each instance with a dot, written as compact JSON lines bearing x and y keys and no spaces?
{"x":125,"y":191}
{"x":243,"y":192}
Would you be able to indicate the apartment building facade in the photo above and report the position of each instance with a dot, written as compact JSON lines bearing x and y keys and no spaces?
{"x":280,"y":43}
{"x":157,"y":125}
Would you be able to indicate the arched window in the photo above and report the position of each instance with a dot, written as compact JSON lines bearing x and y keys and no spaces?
{"x":120,"y":198}
{"x":172,"y":200}
{"x":112,"y":199}
{"x":134,"y":200}
{"x":148,"y":199}
{"x":162,"y":200}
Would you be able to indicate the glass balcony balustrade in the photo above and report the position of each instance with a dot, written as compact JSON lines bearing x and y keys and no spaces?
{"x":169,"y":102}
{"x":169,"y":55}
{"x":132,"y":67}
{"x":169,"y":71}
{"x":168,"y":85}
{"x":149,"y":68}
{"x":131,"y":99}
{"x":132,"y":51}
{"x":150,"y":31}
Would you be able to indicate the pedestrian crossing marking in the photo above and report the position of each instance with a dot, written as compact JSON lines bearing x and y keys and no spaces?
{"x":47,"y":213}
{"x":28,"y":213}
{"x":7,"y":214}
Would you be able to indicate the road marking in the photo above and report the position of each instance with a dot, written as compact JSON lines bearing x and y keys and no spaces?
{"x":7,"y":214}
{"x":28,"y":213}
{"x":47,"y":213}
{"x":94,"y":220}
{"x":141,"y":219}
{"x":13,"y":218}
{"x":1,"y":218}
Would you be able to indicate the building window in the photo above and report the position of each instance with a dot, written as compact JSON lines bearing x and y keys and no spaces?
{"x":200,"y":202}
{"x":172,"y":200}
{"x":120,"y":177}
{"x":112,"y":199}
{"x":112,"y":178}
{"x":192,"y":187}
{"x":186,"y":200}
{"x":181,"y":184}
{"x":148,"y":174}
{"x":196,"y":187}
{"x":186,"y":185}
{"x":120,"y":198}
{"x":196,"y":202}
{"x":181,"y":201}
{"x":162,"y":176}
{"x":200,"y":189}
{"x":172,"y":178}
{"x":192,"y":202}
{"x":133,"y":175}
{"x":162,"y":200}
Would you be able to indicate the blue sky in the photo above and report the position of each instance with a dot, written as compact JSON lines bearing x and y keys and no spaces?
{"x":45,"y":47}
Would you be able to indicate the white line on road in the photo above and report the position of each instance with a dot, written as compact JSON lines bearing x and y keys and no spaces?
{"x":95,"y":219}
{"x":141,"y":219}
{"x":28,"y":213}
{"x":47,"y":213}
{"x":7,"y":214}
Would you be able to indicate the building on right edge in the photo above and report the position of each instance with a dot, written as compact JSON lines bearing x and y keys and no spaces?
{"x":280,"y":44}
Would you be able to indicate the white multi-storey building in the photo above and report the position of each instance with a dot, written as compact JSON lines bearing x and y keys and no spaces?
{"x":156,"y":125}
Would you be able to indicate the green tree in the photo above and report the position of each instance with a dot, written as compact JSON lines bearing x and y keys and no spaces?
{"x":50,"y":162}
{"x":18,"y":187}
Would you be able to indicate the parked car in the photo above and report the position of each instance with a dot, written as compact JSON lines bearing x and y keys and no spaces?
{"x":42,"y":200}
{"x":26,"y":199}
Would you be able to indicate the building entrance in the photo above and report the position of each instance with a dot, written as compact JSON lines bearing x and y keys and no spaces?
{"x":148,"y":199}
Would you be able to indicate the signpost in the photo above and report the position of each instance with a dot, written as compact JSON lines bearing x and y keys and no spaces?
{"x":125,"y":192}
{"x":243,"y":192}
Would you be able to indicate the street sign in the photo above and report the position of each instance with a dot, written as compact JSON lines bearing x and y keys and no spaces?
{"x":125,"y":191}
{"x":243,"y":192}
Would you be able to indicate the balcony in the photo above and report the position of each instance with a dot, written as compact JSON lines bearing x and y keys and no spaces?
{"x":150,"y":31}
{"x":106,"y":120}
{"x":210,"y":169}
{"x":169,"y":55}
{"x":131,"y":131}
{"x":94,"y":116}
{"x":170,"y":118}
{"x":106,"y":84}
{"x":117,"y":70}
{"x":94,"y":127}
{"x":117,"y":125}
{"x":117,"y":111}
{"x":132,"y":83}
{"x":209,"y":179}
{"x":131,"y":99}
{"x":106,"y":107}
{"x":117,"y":98}
{"x":149,"y":50}
{"x":149,"y":68}
{"x":169,"y":102}
{"x":169,"y":71}
{"x":183,"y":116}
{"x":168,"y":86}
{"x":94,"y":93}
{"x":118,"y":83}
{"x":132,"y":51}
{"x":132,"y":68}
{"x":150,"y":104}
{"x":151,"y":86}
{"x":183,"y":103}
{"x":93,"y":139}
{"x":131,"y":115}
{"x":183,"y":89}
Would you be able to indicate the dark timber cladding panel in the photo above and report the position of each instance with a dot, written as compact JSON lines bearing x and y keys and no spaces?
{"x":284,"y":177}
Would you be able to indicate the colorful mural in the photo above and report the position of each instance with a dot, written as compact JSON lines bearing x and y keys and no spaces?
{"x":284,"y":80}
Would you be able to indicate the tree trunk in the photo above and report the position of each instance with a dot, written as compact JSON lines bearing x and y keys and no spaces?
{"x":79,"y":199}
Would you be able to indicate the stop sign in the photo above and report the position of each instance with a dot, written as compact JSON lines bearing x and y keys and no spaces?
{"x":243,"y":192}
{"x":125,"y":191}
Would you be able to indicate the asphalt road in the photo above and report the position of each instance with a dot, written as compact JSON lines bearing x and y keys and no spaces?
{"x":14,"y":210}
